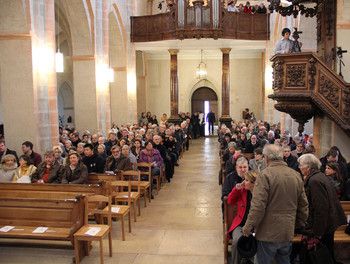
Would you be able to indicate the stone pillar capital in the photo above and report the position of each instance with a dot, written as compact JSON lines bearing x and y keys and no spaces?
{"x":225,"y":50}
{"x":173,"y":51}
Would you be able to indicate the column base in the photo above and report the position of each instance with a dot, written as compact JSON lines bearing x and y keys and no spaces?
{"x":174,"y":119}
{"x":225,"y":120}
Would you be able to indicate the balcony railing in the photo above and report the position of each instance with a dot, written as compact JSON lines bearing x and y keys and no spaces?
{"x":187,"y":21}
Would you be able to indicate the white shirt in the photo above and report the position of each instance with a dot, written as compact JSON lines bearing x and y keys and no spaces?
{"x":282,"y":45}
{"x":232,"y":9}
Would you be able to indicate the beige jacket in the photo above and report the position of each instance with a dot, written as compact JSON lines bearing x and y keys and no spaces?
{"x":279,"y":204}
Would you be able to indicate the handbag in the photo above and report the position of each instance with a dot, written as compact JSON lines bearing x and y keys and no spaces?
{"x":319,"y":254}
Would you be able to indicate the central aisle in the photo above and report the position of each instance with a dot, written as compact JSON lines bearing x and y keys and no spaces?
{"x":183,"y":224}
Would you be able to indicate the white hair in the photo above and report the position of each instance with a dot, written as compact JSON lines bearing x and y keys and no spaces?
{"x":310,"y":161}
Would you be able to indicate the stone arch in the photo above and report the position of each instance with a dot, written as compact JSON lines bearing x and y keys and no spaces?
{"x":65,"y":104}
{"x":208,"y":84}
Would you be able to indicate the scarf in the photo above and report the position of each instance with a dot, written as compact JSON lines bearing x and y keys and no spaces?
{"x":149,"y":154}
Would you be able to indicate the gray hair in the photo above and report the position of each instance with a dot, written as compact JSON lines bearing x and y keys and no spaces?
{"x":286,"y":147}
{"x":49,"y":152}
{"x":231,"y":145}
{"x":241,"y":160}
{"x":310,"y":161}
{"x":273,"y":152}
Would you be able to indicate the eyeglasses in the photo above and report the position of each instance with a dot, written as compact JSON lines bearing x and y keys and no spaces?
{"x":115,"y":151}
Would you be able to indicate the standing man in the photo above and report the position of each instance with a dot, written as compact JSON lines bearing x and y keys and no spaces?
{"x":211,"y":120}
{"x":27,"y":148}
{"x":279,"y":206}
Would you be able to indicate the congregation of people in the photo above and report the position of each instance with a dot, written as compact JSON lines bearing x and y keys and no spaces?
{"x":78,"y":155}
{"x":280,"y":187}
{"x":247,"y":8}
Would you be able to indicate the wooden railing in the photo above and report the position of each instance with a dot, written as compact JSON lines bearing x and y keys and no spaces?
{"x":304,"y":86}
{"x":199,"y":21}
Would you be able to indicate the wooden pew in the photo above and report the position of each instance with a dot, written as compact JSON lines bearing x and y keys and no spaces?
{"x":96,"y":178}
{"x":48,"y":191}
{"x":230,"y":211}
{"x":339,"y":236}
{"x":63,"y":217}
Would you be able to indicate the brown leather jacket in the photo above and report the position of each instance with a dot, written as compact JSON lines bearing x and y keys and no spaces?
{"x":122,"y":163}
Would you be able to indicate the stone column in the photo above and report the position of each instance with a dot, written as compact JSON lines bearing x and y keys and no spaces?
{"x":174,"y":88}
{"x":28,"y":82}
{"x":225,"y":112}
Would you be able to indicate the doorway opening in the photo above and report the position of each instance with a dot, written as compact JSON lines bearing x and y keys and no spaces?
{"x":204,"y":100}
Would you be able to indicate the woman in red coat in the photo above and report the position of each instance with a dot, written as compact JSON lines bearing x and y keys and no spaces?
{"x":240,"y":195}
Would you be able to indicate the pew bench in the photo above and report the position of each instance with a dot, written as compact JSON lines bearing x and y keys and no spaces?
{"x":33,"y":190}
{"x":62,"y":217}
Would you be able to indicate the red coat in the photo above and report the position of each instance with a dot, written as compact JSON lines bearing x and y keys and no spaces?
{"x":238,"y":197}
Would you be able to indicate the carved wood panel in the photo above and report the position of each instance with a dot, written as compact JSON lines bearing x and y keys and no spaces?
{"x":329,"y":91}
{"x":277,"y":75}
{"x":295,"y":75}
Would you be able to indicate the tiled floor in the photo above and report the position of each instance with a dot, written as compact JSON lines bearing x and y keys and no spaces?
{"x":181,"y":225}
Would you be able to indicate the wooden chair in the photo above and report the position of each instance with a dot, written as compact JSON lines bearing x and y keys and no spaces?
{"x":120,"y":211}
{"x":144,"y":185}
{"x":135,"y":178}
{"x":104,"y":230}
{"x":157,"y":179}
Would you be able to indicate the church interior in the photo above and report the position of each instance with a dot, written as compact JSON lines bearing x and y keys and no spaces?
{"x":89,"y":64}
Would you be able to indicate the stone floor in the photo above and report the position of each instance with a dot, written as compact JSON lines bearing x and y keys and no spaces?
{"x":181,"y":225}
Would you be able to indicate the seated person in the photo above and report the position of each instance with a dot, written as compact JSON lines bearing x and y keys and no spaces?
{"x":258,"y":163}
{"x":231,"y":6}
{"x":242,"y":196}
{"x":252,"y":144}
{"x":299,"y":151}
{"x":127,"y":153}
{"x":48,"y":171}
{"x":4,"y":150}
{"x":23,"y":174}
{"x":101,"y":150}
{"x":75,"y":172}
{"x":136,"y":148}
{"x":291,"y":161}
{"x":261,"y":9}
{"x":285,"y":44}
{"x":27,"y":148}
{"x":8,"y":167}
{"x":333,"y":174}
{"x":248,"y":8}
{"x":58,"y":154}
{"x":235,"y":177}
{"x":117,"y":161}
{"x":92,"y":161}
{"x":152,"y":156}
{"x":228,"y":154}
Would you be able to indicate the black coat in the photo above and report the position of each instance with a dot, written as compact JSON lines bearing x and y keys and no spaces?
{"x":8,"y":151}
{"x":292,"y":162}
{"x":325,"y":211}
{"x":249,"y":147}
{"x":94,"y":164}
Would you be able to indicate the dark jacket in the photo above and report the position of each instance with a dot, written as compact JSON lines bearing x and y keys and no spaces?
{"x":292,"y":162}
{"x":249,"y":147}
{"x":325,"y":211}
{"x":121,"y":163}
{"x":8,"y":151}
{"x":55,"y":173}
{"x":94,"y":163}
{"x":36,"y":158}
{"x":77,"y":176}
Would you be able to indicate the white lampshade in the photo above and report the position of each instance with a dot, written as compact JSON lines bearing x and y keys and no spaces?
{"x":59,"y":61}
{"x":110,"y":75}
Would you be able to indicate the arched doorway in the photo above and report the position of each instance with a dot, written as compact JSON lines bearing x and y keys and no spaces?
{"x":205,"y":99}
